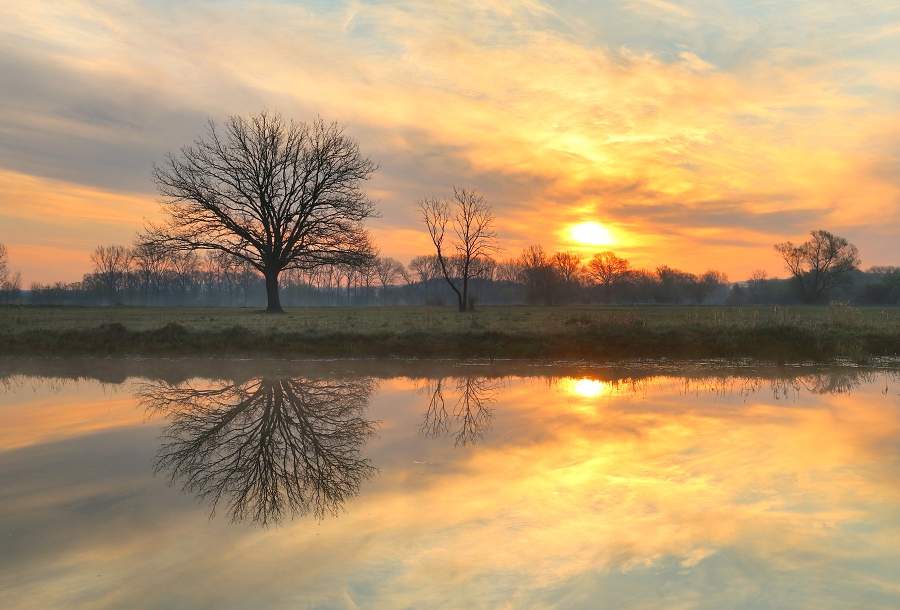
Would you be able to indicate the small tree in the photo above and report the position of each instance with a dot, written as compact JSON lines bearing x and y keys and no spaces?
{"x":10,"y":283}
{"x":469,"y":217}
{"x":388,"y":270}
{"x":542,"y":279}
{"x":889,"y":281}
{"x":608,"y":270}
{"x":671,"y":284}
{"x":702,"y":287}
{"x":568,"y":266}
{"x":275,"y":195}
{"x":149,"y":262}
{"x":111,"y":265}
{"x":4,"y":263}
{"x":820,"y":264}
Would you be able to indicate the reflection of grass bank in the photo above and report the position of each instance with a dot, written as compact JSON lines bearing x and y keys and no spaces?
{"x":589,"y":332}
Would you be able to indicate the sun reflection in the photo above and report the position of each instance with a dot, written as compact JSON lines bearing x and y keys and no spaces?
{"x":587,"y":388}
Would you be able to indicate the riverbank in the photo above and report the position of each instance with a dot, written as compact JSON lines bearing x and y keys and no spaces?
{"x":592,"y":333}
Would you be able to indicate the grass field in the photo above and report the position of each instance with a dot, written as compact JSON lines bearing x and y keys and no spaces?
{"x":576,"y":332}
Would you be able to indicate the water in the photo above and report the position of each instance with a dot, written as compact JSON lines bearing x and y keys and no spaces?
{"x":329,"y":485}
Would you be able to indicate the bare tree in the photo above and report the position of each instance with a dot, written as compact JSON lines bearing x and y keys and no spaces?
{"x":509,"y":271}
{"x":10,"y":283}
{"x":702,"y":287}
{"x":671,"y":284}
{"x":426,"y":267}
{"x":267,"y":447}
{"x":388,"y":270}
{"x":184,"y":267}
{"x":820,"y":264}
{"x":567,"y":264}
{"x":149,"y":261}
{"x":889,"y":277}
{"x":275,"y":195}
{"x":755,"y":283}
{"x":4,"y":263}
{"x":469,"y":217}
{"x":607,"y":270}
{"x":111,"y":264}
{"x":540,"y":276}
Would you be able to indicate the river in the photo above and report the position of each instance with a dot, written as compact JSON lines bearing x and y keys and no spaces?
{"x":212,"y":484}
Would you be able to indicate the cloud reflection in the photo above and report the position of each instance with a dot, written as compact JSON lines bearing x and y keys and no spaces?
{"x":696,"y":491}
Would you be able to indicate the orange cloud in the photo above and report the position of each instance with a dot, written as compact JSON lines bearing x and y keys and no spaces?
{"x":710,"y":143}
{"x":51,"y":226}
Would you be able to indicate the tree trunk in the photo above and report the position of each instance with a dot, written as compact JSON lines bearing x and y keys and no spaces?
{"x":274,"y":301}
{"x":463,"y":300}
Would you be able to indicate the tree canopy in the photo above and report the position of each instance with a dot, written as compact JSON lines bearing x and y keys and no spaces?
{"x":820,"y":264}
{"x":276,"y":195}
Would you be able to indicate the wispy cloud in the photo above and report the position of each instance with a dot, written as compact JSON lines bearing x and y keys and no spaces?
{"x":554,"y":110}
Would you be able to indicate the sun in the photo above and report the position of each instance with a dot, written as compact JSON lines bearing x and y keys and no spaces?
{"x":592,"y":233}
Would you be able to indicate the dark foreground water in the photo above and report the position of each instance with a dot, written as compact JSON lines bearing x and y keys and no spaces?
{"x":449,"y":488}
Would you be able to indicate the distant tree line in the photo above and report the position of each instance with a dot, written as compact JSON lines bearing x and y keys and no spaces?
{"x":154,"y":276}
{"x":267,"y":212}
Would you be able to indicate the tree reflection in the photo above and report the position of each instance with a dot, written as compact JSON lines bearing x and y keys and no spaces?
{"x":832,"y":382}
{"x":267,"y":447}
{"x":837,"y":381}
{"x":471,"y":413}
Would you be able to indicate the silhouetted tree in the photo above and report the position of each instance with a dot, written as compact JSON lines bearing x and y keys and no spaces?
{"x":756,"y":282}
{"x":469,"y":217}
{"x":4,"y":263}
{"x":10,"y":283}
{"x":266,"y":447}
{"x":608,"y":271}
{"x":889,"y":281}
{"x":542,"y":281}
{"x":388,"y":270}
{"x":702,"y":287}
{"x":149,"y":261}
{"x":568,"y":266}
{"x":671,"y":284}
{"x":275,"y":195}
{"x":820,"y":264}
{"x":111,"y":265}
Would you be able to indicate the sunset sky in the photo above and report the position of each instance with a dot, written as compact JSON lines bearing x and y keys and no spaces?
{"x":696,"y":132}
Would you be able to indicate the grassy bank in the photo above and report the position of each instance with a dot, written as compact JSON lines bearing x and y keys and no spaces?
{"x":583,"y":333}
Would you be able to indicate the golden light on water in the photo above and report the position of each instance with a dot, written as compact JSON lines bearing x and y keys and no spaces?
{"x":587,"y":388}
{"x":592,"y":233}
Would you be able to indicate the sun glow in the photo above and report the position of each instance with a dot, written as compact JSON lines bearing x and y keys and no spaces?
{"x":587,"y":388}
{"x":592,"y":233}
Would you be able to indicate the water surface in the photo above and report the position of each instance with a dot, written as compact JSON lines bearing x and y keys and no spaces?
{"x":332,"y":486}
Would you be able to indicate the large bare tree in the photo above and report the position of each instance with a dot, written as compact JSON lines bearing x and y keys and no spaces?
{"x":276,"y":195}
{"x":470,"y":218}
{"x":820,"y":264}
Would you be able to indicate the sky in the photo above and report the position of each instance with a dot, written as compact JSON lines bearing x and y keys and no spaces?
{"x":696,"y":133}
